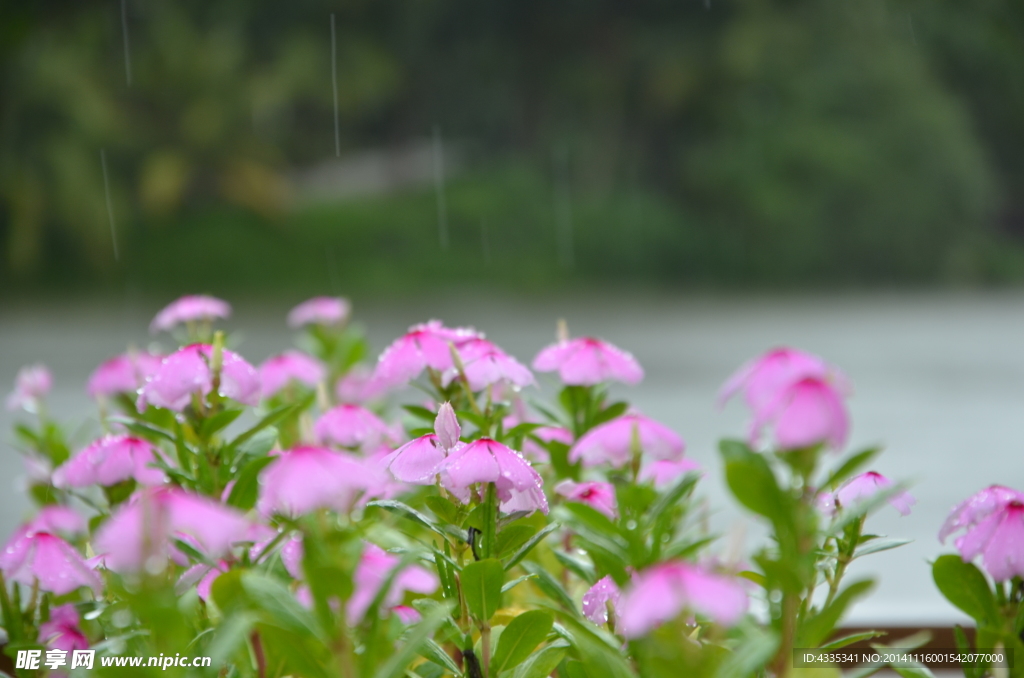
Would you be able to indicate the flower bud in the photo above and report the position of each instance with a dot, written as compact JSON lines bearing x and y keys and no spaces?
{"x":446,"y":426}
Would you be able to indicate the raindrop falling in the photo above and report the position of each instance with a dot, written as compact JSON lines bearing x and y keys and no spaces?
{"x":127,"y":53}
{"x":334,"y":84}
{"x":332,"y":269}
{"x":563,"y":209}
{"x":485,"y":244}
{"x":110,"y":207}
{"x":442,"y":208}
{"x":910,"y":23}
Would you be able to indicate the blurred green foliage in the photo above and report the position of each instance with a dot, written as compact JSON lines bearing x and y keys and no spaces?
{"x":714,"y":142}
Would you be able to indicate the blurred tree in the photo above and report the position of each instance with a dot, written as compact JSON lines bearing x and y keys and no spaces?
{"x":717,"y":140}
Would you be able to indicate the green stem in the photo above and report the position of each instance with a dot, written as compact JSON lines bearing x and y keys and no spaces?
{"x":490,"y":522}
{"x":843,"y":558}
{"x":12,"y":622}
{"x":485,"y":646}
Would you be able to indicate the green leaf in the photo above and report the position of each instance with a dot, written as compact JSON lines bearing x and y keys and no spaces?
{"x":272,"y":418}
{"x":508,"y":586}
{"x":754,"y":650}
{"x":851,"y":465}
{"x":411,"y":643}
{"x":598,"y":651}
{"x":435,"y":653}
{"x":577,"y":566}
{"x":219,"y":422}
{"x":421,"y":412}
{"x":525,"y":549}
{"x":550,"y":586}
{"x":446,"y":573}
{"x":481,"y":587}
{"x":753,"y":483}
{"x":513,"y":537}
{"x":965,"y":586}
{"x":878,"y":545}
{"x":445,"y":509}
{"x":279,"y":603}
{"x":611,"y":412}
{"x":542,"y":664}
{"x":246,"y":489}
{"x":913,"y":671}
{"x":519,"y":639}
{"x":229,"y":636}
{"x":260,"y":444}
{"x":817,"y":628}
{"x":851,"y":639}
{"x":408,"y":512}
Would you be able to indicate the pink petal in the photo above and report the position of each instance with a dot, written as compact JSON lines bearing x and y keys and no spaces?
{"x":309,"y":478}
{"x":720,"y":598}
{"x":58,"y":519}
{"x":350,"y":426}
{"x":278,"y":371}
{"x":473,"y":464}
{"x":811,"y":413}
{"x":320,"y":311}
{"x":189,"y":309}
{"x":1004,"y":556}
{"x":55,"y":564}
{"x":418,"y":461}
{"x":596,"y":599}
{"x":654,"y":597}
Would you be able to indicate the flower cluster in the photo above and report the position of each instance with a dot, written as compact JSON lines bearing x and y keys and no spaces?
{"x":307,"y":517}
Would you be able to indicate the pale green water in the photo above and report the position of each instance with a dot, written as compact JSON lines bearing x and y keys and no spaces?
{"x":938,"y":378}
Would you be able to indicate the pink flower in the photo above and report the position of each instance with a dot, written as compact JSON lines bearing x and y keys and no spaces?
{"x":407,"y":615}
{"x":292,"y":553}
{"x":418,"y":461}
{"x":999,"y":539}
{"x":597,"y":495}
{"x":446,"y":426}
{"x":764,"y":378}
{"x":613,"y":441}
{"x":190,"y":309}
{"x":374,"y":567}
{"x":421,"y":347}
{"x":383,"y":485}
{"x":977,"y":508}
{"x":596,"y":599}
{"x":665,"y":472}
{"x":57,"y":519}
{"x":309,"y":478}
{"x":290,"y":550}
{"x":110,"y":460}
{"x":30,"y":556}
{"x":488,"y":461}
{"x":202,"y":577}
{"x":187,"y":371}
{"x":805,"y":413}
{"x":862,"y":488}
{"x":544,"y":434}
{"x":320,"y":311}
{"x":280,"y":370}
{"x":586,"y":361}
{"x":138,"y":535}
{"x":124,"y":373}
{"x":486,"y":364}
{"x":61,"y":631}
{"x":30,"y":387}
{"x":661,"y":593}
{"x":350,"y":426}
{"x":358,"y":386}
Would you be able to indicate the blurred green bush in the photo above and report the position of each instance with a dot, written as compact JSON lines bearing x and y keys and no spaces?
{"x":731,"y":142}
